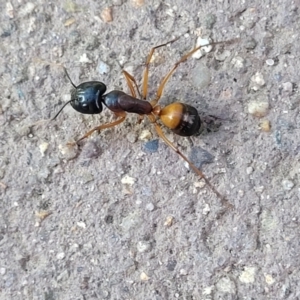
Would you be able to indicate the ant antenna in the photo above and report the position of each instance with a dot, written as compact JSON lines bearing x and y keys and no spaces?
{"x":67,"y":74}
{"x":61,"y":109}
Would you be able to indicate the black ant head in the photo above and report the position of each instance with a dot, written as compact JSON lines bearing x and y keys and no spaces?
{"x":86,"y":98}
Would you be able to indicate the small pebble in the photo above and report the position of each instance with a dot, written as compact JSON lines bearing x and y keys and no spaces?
{"x":143,"y":246}
{"x":106,"y":15}
{"x":208,"y":290}
{"x":258,"y":108}
{"x":145,"y":135}
{"x":171,"y":265}
{"x":270,"y":62}
{"x":69,"y":22}
{"x":269,"y":279}
{"x":86,"y":177}
{"x":42,"y":214}
{"x":201,"y":76}
{"x":241,"y":193}
{"x":60,"y":255}
{"x":206,"y":209}
{"x":238,"y":62}
{"x":81,"y":224}
{"x":157,"y":59}
{"x":131,"y":137}
{"x":43,"y":148}
{"x":144,"y":276}
{"x":150,"y":206}
{"x":68,"y":151}
{"x":2,"y":271}
{"x":287,"y":184}
{"x":130,"y":221}
{"x":265,"y":125}
{"x":57,"y":51}
{"x":249,"y":170}
{"x":258,"y":79}
{"x":103,"y":68}
{"x":226,"y":285}
{"x":122,"y":59}
{"x":287,"y":86}
{"x":26,"y":9}
{"x":137,"y":3}
{"x":200,"y":184}
{"x":151,"y":146}
{"x":169,"y":221}
{"x":259,"y":189}
{"x":183,"y":272}
{"x":128,"y":180}
{"x":71,"y":7}
{"x":84,"y":59}
{"x":199,"y":156}
{"x":205,"y":49}
{"x":248,"y":275}
{"x":74,"y":247}
{"x":269,"y":223}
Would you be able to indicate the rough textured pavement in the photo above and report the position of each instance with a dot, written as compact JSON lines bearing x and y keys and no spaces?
{"x":117,"y":217}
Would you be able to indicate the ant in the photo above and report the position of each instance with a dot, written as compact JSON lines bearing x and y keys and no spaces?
{"x":182,"y":119}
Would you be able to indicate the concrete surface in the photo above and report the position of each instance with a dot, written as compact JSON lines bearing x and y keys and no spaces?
{"x":111,"y":220}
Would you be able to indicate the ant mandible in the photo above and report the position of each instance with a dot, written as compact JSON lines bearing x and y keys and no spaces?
{"x":181,"y":118}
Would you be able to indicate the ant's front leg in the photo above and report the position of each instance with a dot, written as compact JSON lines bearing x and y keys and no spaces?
{"x":122,"y":117}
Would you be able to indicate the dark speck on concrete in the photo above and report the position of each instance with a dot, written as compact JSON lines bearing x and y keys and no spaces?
{"x":151,"y":146}
{"x":171,"y":265}
{"x":199,"y":156}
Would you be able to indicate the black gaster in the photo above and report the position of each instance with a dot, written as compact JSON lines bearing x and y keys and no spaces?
{"x":118,"y":101}
{"x":190,"y":122}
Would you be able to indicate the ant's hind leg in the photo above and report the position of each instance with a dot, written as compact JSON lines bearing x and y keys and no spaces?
{"x":195,"y":169}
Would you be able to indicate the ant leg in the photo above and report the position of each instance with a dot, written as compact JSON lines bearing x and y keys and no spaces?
{"x":130,"y":79}
{"x":183,"y":59}
{"x":104,"y":126}
{"x":146,"y":72}
{"x":195,"y":169}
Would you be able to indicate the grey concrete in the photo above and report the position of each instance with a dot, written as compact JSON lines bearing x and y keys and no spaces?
{"x":113,"y":220}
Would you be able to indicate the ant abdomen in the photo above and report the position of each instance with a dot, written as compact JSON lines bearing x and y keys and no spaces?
{"x":181,"y":118}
